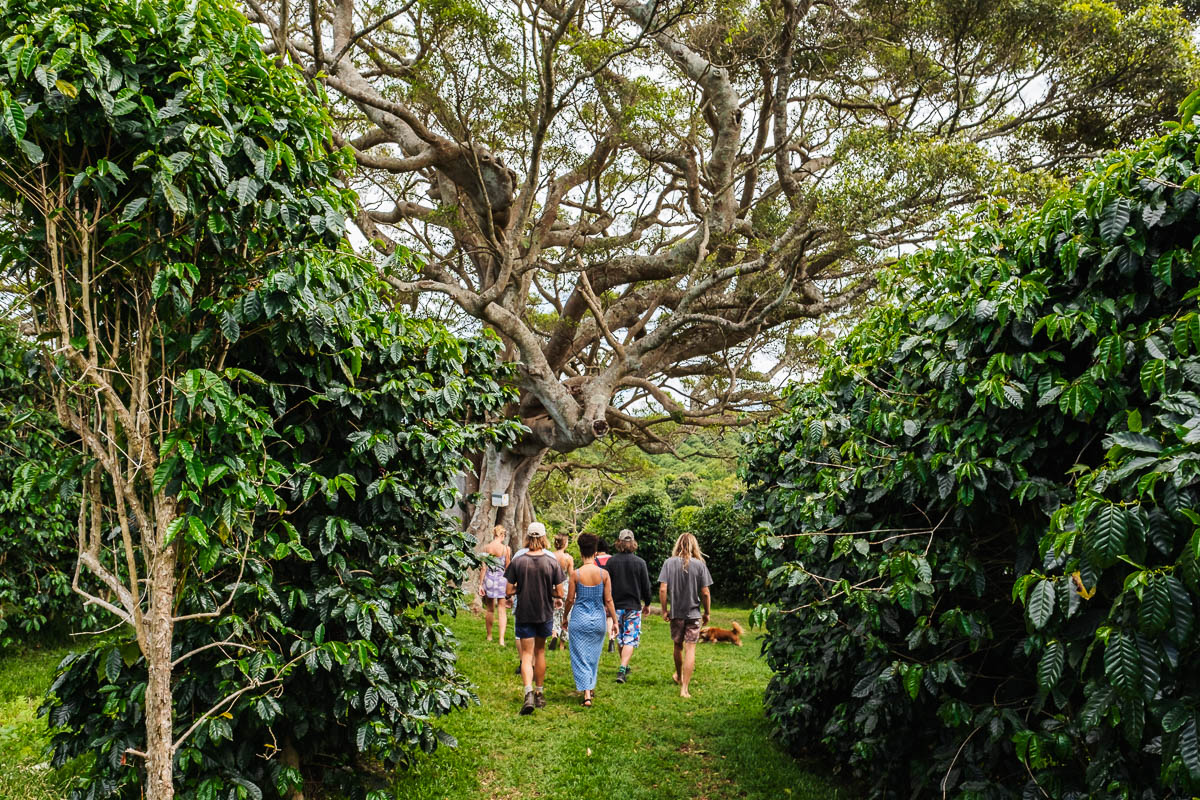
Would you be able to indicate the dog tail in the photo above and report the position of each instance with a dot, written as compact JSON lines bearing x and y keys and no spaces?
{"x":737,"y":629}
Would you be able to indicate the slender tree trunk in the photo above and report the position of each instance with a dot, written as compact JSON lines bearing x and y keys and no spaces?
{"x":160,"y":711}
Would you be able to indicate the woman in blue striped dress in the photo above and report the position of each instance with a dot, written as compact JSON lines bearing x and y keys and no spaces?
{"x":589,"y":601}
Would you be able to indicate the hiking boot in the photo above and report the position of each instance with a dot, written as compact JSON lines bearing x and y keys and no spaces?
{"x":622,"y":674}
{"x":539,"y":699}
{"x":529,"y":704}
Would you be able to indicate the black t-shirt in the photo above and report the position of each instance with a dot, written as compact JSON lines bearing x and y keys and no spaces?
{"x":535,"y":576}
{"x":630,"y":581}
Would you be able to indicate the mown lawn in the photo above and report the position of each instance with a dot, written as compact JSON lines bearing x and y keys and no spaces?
{"x":640,"y":741}
{"x":24,"y":773}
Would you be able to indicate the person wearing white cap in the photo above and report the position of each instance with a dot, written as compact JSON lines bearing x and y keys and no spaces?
{"x":534,"y":579}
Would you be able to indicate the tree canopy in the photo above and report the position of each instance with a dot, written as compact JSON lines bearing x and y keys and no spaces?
{"x":653,"y":203}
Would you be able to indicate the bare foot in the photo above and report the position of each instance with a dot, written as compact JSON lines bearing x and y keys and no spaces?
{"x":683,"y":692}
{"x":675,"y":677}
{"x":502,"y":643}
{"x":489,"y":638}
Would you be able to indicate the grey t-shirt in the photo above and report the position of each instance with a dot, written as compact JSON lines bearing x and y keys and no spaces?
{"x":683,"y":586}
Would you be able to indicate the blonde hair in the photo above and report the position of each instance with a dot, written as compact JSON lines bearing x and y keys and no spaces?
{"x":687,"y":548}
{"x":498,"y":531}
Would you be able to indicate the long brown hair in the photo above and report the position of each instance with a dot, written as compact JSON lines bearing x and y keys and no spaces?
{"x":687,"y":548}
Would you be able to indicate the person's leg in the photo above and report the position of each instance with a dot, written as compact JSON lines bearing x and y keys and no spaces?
{"x":526,"y":647}
{"x":539,"y":664}
{"x":539,"y":661}
{"x":488,"y":605}
{"x":678,"y":661}
{"x":687,"y":667}
{"x":626,"y":654}
{"x":503,"y":612}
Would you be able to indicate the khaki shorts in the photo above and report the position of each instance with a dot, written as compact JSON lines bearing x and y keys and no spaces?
{"x":685,"y":631}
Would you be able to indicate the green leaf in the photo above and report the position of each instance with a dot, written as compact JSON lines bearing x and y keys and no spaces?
{"x":1050,"y":667}
{"x":176,"y":200}
{"x":1107,"y":536}
{"x":1113,"y":219}
{"x":174,"y":528}
{"x":1123,"y":663}
{"x":1154,"y":613}
{"x":1040,"y":605}
{"x":132,"y":209}
{"x":13,"y":118}
{"x":229,"y":327}
{"x":112,"y":664}
{"x":32,"y":151}
{"x":1137,"y":442}
{"x":1189,"y":749}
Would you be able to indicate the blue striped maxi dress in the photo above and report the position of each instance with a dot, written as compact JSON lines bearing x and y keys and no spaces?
{"x":587,"y":634}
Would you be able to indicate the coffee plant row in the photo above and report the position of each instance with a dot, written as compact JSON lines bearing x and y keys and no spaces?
{"x":981,"y":525}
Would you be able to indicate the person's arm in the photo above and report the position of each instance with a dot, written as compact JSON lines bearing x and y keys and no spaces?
{"x":482,"y":578}
{"x":645,"y":590}
{"x":570,"y":598}
{"x":608,"y":601}
{"x":662,"y":600}
{"x":706,"y":602}
{"x":557,"y":591}
{"x":510,"y":588}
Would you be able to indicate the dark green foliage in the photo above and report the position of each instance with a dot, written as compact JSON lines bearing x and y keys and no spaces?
{"x":980,"y":524}
{"x":305,"y":435}
{"x":353,"y":588}
{"x":39,"y":505}
{"x":649,"y":515}
{"x":726,"y":535}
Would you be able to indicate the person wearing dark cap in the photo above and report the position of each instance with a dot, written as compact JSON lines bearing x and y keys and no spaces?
{"x":631,"y":596}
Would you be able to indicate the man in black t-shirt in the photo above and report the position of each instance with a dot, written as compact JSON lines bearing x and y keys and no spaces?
{"x":631,"y":596}
{"x":535,"y":579}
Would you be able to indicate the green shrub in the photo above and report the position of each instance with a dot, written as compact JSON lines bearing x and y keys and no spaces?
{"x":39,"y":505}
{"x":649,"y":515}
{"x":980,"y":523}
{"x":296,"y":438}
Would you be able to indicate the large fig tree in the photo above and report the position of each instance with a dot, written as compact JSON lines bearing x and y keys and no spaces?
{"x":653,"y":203}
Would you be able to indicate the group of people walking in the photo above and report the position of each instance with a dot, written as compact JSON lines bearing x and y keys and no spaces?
{"x":604,"y":596}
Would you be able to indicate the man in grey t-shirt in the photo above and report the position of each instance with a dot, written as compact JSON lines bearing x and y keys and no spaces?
{"x":685,"y":579}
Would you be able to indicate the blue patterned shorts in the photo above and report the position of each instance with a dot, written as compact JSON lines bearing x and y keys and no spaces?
{"x":629,"y":627}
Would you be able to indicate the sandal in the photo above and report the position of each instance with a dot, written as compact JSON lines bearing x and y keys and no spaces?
{"x":587,"y":702}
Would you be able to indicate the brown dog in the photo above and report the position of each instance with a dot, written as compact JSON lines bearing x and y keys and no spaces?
{"x":714,"y":634}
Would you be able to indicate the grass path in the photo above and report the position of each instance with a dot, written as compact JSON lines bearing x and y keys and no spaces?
{"x":640,"y":741}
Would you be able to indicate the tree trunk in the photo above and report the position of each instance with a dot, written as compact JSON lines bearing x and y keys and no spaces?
{"x":503,"y":472}
{"x":160,"y":711}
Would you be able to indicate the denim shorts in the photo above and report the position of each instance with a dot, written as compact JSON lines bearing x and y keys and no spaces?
{"x":535,"y":630}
